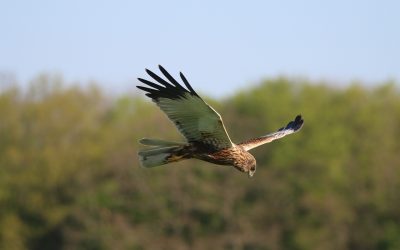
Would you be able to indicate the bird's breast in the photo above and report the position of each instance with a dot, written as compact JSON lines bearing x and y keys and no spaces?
{"x":234,"y":156}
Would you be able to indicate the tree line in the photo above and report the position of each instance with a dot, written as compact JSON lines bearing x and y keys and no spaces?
{"x":70,"y":179}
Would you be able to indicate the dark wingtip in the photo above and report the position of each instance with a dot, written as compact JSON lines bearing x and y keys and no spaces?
{"x":141,"y":79}
{"x":138,"y":86}
{"x":298,"y":123}
{"x":295,"y":125}
{"x":163,"y":88}
{"x":186,"y":82}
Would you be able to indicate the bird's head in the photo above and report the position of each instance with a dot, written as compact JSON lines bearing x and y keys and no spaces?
{"x":252,"y":170}
{"x":245,"y":162}
{"x":250,"y":166}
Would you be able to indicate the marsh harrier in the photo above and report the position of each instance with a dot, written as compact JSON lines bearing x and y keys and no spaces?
{"x":201,"y":125}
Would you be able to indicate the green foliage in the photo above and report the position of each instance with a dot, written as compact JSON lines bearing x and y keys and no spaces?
{"x":69,"y":174}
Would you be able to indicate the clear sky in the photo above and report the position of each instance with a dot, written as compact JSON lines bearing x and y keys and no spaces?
{"x":221,"y":46}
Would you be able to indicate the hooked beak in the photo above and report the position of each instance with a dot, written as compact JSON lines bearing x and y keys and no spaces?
{"x":251,"y":173}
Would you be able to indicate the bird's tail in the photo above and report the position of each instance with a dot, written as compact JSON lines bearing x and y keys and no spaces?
{"x":161,"y":152}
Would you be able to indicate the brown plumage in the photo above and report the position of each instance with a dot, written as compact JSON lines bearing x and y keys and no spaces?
{"x":201,"y":125}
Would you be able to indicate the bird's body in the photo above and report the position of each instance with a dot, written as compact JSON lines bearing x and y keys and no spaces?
{"x":202,"y":127}
{"x":235,"y":156}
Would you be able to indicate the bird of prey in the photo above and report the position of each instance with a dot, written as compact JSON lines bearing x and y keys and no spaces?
{"x":202,"y":127}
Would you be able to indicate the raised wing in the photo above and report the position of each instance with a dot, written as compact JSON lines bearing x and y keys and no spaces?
{"x":291,"y":128}
{"x":195,"y":119}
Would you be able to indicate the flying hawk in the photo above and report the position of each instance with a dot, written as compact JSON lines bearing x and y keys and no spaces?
{"x":201,"y":125}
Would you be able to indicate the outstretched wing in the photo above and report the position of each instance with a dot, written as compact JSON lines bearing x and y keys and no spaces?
{"x":291,"y":128}
{"x":195,"y":119}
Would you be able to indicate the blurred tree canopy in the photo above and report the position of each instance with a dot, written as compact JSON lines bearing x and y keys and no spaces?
{"x":69,"y":174}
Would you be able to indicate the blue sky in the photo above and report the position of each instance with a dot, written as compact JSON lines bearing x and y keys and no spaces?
{"x":221,"y":46}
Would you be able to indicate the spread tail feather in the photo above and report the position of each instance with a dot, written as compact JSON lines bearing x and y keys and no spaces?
{"x":162,"y":153}
{"x":158,"y":142}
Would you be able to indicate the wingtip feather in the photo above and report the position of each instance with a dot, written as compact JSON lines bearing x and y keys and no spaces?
{"x":186,"y":82}
{"x":298,"y":123}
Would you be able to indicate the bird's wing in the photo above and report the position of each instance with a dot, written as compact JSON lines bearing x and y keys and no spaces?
{"x":291,"y":128}
{"x":195,"y":119}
